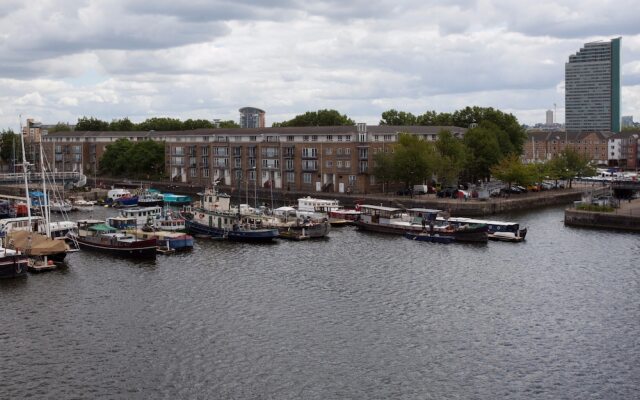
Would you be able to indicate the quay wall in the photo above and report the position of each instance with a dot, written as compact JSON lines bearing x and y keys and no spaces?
{"x":602,"y":220}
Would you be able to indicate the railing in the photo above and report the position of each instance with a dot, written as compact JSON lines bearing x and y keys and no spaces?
{"x":37,"y":176}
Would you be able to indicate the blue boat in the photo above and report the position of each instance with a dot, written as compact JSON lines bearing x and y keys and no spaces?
{"x":127,"y":201}
{"x":428,"y":237}
{"x":213,"y":218}
{"x":176,"y":200}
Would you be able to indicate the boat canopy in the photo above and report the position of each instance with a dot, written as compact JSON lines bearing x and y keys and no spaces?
{"x":103,"y":228}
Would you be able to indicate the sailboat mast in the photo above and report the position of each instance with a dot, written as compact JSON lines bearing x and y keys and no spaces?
{"x":47,"y":206}
{"x":24,"y":173}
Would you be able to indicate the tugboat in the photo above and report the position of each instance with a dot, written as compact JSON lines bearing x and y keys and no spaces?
{"x":214,"y":218}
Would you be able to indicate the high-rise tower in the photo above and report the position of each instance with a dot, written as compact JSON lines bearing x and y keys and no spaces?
{"x":251,"y":117}
{"x":592,"y":88}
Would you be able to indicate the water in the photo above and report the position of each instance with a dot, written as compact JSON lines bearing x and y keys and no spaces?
{"x":355,"y":316}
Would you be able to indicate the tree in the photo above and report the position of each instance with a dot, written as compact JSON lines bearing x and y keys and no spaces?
{"x":91,"y":124}
{"x":60,"y":127}
{"x":138,"y":160}
{"x":114,"y":161}
{"x":317,"y":118}
{"x":570,"y":164}
{"x":483,"y":150}
{"x":413,"y":160}
{"x":228,"y":124}
{"x":10,"y":146}
{"x":511,"y":170}
{"x":451,"y":157}
{"x":160,"y":124}
{"x":397,"y":118}
{"x":196,"y":124}
{"x":383,"y":168}
{"x":122,"y":125}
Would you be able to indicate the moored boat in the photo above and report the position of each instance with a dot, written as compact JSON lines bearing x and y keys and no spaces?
{"x":13,"y":263}
{"x":213,"y":218}
{"x":496,"y":230}
{"x":176,"y":200}
{"x":415,"y":220}
{"x":97,"y":236}
{"x":150,"y":198}
{"x":429,"y":237}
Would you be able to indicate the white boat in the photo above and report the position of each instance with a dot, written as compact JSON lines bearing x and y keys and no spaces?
{"x":57,"y":229}
{"x":143,"y":215}
{"x":497,"y":230}
{"x":80,"y":204}
{"x":60,"y":206}
{"x":169,"y":221}
{"x":331,"y":209}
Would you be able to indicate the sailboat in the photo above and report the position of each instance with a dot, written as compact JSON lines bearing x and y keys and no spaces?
{"x":31,"y":242}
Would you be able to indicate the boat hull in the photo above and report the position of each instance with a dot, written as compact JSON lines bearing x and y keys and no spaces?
{"x":240,"y":235}
{"x":470,"y":235}
{"x":428,"y":237}
{"x":13,"y":266}
{"x":140,"y":249}
{"x":315,"y":231}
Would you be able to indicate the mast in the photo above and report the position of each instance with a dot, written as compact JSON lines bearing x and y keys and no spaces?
{"x":47,"y":206}
{"x":25,"y":166}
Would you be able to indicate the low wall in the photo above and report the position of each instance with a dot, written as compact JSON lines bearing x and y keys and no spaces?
{"x":601,"y":220}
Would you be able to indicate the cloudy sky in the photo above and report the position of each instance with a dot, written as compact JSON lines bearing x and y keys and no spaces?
{"x":64,"y":59}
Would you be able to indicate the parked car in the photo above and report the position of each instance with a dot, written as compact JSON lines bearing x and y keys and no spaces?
{"x":447,"y":192}
{"x":404,"y":192}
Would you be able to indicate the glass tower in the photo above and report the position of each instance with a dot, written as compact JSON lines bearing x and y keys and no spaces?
{"x":592,"y":88}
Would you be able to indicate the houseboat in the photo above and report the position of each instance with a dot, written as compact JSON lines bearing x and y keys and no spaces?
{"x":415,"y":220}
{"x":496,"y":230}
{"x":142,"y":215}
{"x":330,"y":209}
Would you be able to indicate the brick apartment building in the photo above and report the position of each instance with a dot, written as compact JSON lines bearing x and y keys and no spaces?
{"x":334,"y":159}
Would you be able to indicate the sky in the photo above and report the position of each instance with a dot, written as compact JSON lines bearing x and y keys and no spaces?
{"x":61,"y":60}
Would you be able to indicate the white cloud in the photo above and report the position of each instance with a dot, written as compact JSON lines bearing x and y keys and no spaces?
{"x":205,"y":59}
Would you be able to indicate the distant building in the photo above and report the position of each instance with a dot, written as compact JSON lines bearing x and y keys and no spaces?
{"x":623,"y":149}
{"x":549,"y":117}
{"x":545,"y":145}
{"x":592,"y":88}
{"x":251,"y":117}
{"x":627,"y":121}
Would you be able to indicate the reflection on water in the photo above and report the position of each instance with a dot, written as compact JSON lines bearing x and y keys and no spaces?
{"x":354,"y":316}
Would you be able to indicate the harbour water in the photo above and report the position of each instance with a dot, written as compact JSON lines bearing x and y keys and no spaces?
{"x":354,"y":316}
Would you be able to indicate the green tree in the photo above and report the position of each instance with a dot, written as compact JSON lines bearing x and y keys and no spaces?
{"x":570,"y":164}
{"x":122,"y":125}
{"x":10,"y":146}
{"x":91,"y":124}
{"x":229,"y":124}
{"x":196,"y":124}
{"x":413,"y":160}
{"x":483,"y":151}
{"x":160,"y":124}
{"x":383,"y":168}
{"x":397,"y":118}
{"x":115,"y":160}
{"x":511,"y":170}
{"x":60,"y":127}
{"x":317,"y":118}
{"x":451,"y":157}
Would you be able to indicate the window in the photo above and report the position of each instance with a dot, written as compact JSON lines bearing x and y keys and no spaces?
{"x":329,"y":138}
{"x":339,"y":164}
{"x":306,"y":177}
{"x":193,"y":172}
{"x":291,"y":177}
{"x":305,"y":138}
{"x":290,"y":139}
{"x":253,"y":138}
{"x":328,"y":151}
{"x":347,"y":151}
{"x":352,"y":180}
{"x":314,"y":138}
{"x":339,"y":138}
{"x":311,"y":152}
{"x":205,"y":172}
{"x":329,"y":164}
{"x":289,"y":164}
{"x":339,"y":151}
